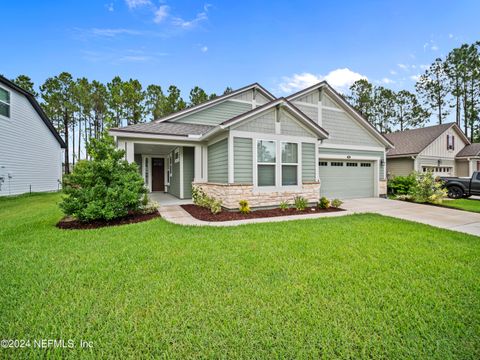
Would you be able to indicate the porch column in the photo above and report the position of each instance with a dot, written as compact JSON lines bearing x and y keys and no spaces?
{"x":197,"y":161}
{"x":129,"y":151}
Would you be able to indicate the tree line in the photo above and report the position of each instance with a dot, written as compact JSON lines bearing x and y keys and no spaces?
{"x":449,"y":84}
{"x":82,"y":110}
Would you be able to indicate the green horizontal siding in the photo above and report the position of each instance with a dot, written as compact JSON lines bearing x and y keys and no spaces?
{"x":243,"y":160}
{"x":308,"y":162}
{"x":216,"y":114}
{"x":218,"y":162}
{"x":188,"y":171}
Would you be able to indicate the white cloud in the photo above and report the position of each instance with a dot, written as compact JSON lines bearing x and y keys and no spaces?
{"x":204,"y":49}
{"x":132,"y":4}
{"x":402,"y":66}
{"x":423,"y":67}
{"x":386,"y":80}
{"x":114,"y":32}
{"x":434,"y":47}
{"x":393,"y":72}
{"x":161,"y":13}
{"x":110,"y":7}
{"x":135,"y":58}
{"x":188,"y":24}
{"x":415,"y":77}
{"x":340,"y":79}
{"x":450,"y":36}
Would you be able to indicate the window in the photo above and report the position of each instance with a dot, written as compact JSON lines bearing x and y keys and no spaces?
{"x":323,"y":163}
{"x":147,"y":160}
{"x":170,"y":165}
{"x":289,"y":163}
{"x":365,"y":165}
{"x":336,"y":163}
{"x":450,"y":142}
{"x":266,"y":162}
{"x":4,"y":102}
{"x":352,"y":164}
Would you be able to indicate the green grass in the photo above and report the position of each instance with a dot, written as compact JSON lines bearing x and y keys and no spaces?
{"x":361,"y":286}
{"x":463,"y":204}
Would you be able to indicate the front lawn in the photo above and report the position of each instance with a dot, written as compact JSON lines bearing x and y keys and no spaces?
{"x":463,"y":204}
{"x":361,"y":286}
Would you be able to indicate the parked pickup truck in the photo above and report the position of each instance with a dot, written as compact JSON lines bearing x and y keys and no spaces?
{"x":462,"y":187}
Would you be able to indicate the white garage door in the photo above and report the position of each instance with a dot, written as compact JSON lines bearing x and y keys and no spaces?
{"x":346,"y":179}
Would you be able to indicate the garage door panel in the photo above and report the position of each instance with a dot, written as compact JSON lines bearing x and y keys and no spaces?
{"x":347,"y":182}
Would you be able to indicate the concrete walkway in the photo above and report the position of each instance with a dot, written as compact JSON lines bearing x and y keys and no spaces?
{"x":445,"y":218}
{"x":441,"y":217}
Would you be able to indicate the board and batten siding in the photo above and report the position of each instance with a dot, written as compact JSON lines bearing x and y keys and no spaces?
{"x":308,"y":162}
{"x":243,"y":160}
{"x":216,"y":114}
{"x":438,"y":147}
{"x":29,"y":152}
{"x":218,"y":162}
{"x":325,"y":152}
{"x":174,"y":187}
{"x":188,"y":171}
{"x":399,"y":166}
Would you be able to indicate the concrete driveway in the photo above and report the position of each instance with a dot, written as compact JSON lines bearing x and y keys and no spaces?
{"x":463,"y":221}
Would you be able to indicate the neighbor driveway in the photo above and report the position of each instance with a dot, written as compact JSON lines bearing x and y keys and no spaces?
{"x":446,"y":218}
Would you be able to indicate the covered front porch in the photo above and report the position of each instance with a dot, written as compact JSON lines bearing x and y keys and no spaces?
{"x":168,"y":168}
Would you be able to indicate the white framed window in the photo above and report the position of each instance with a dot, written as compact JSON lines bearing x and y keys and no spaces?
{"x":336,"y":163}
{"x":266,"y":162}
{"x":323,"y":163}
{"x":176,"y":155}
{"x":352,"y":164}
{"x":289,"y":164}
{"x":365,"y":165}
{"x":4,"y":103}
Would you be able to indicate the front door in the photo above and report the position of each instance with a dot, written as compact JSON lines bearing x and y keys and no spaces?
{"x":158,"y":174}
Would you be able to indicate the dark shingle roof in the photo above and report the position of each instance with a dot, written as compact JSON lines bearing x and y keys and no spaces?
{"x":167,"y":128}
{"x":412,"y":142}
{"x":470,"y":150}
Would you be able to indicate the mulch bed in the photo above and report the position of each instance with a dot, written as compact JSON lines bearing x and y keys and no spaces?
{"x":132,"y":218}
{"x":204,"y":214}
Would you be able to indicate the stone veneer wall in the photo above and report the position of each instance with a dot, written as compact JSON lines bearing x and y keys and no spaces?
{"x":231,"y":194}
{"x":382,"y":187}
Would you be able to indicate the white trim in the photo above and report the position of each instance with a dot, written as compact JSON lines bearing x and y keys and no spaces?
{"x":130,"y":151}
{"x":10,"y":92}
{"x":162,"y":138}
{"x":176,"y":152}
{"x":351,"y":147}
{"x":166,"y":181}
{"x":230,"y":159}
{"x":181,"y":172}
{"x":257,"y":135}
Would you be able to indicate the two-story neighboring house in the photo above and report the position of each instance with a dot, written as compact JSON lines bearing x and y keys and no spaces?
{"x":433,"y":148}
{"x":30,"y":148}
{"x":250,"y":145}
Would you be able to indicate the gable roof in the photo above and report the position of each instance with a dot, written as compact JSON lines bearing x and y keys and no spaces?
{"x":317,"y":129}
{"x":340,"y":99}
{"x":470,"y":150}
{"x":210,"y":103}
{"x":413,"y":142}
{"x":37,"y":108}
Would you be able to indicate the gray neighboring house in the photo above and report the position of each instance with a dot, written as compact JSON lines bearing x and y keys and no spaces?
{"x":433,"y":148}
{"x":468,"y":160}
{"x":31,"y":151}
{"x":250,"y":145}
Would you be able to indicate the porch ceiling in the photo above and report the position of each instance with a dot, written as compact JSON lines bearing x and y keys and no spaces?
{"x":151,"y":149}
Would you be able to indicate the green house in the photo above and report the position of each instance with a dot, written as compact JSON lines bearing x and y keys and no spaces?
{"x":251,"y":145}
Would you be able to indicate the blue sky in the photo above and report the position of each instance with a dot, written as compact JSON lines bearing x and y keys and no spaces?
{"x":284,"y":45}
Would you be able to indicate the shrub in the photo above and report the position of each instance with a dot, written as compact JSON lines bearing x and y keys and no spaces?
{"x":427,"y":189}
{"x":401,"y":185}
{"x":244,"y":208}
{"x":336,"y":203}
{"x":201,"y":199}
{"x":300,"y":203}
{"x":103,"y":188}
{"x":149,"y":207}
{"x":324,"y":203}
{"x":284,"y":206}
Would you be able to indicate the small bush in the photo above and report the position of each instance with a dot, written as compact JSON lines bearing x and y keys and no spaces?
{"x":300,"y":203}
{"x":324,"y":203}
{"x":201,"y":199}
{"x":104,"y":188}
{"x":149,"y":207}
{"x":401,"y":185}
{"x":284,"y":206}
{"x":244,"y":207}
{"x":427,"y":189}
{"x":336,"y":203}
